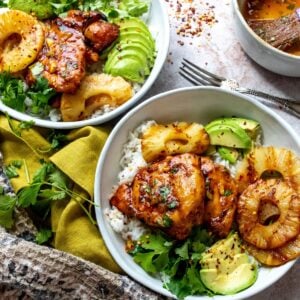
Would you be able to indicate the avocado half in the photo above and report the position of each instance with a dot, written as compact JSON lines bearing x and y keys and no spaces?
{"x":225,"y":269}
{"x":133,"y":55}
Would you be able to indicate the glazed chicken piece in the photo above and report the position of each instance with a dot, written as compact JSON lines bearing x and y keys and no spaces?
{"x":63,"y":56}
{"x":98,"y":33}
{"x":168,"y":194}
{"x":221,"y":194}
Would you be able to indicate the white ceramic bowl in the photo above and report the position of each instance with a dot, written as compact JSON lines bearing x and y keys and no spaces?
{"x":264,"y":54}
{"x":196,"y":104}
{"x":158,"y":24}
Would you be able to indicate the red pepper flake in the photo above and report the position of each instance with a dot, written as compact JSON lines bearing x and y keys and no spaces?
{"x":190,"y":17}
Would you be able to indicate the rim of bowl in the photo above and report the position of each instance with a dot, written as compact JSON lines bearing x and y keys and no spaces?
{"x":105,"y":150}
{"x":119,"y":110}
{"x":237,"y":9}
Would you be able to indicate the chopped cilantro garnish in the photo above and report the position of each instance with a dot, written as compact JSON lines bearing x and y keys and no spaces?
{"x":227,"y":193}
{"x":164,"y":192}
{"x":167,"y":221}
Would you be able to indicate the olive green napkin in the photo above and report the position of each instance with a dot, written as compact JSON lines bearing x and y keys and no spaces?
{"x":73,"y":231}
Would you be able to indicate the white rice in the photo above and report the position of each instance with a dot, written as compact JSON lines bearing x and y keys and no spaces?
{"x":132,"y":158}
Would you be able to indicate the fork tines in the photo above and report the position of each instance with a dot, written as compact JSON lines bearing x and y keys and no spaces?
{"x":197,"y":75}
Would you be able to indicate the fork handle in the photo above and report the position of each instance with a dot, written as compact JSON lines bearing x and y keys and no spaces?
{"x":285,"y":107}
{"x":283,"y":101}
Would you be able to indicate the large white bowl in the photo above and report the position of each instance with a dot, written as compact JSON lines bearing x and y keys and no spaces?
{"x":158,"y":24}
{"x":261,"y":52}
{"x":196,"y":104}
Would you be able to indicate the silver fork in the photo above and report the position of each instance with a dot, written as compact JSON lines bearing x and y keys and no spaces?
{"x":200,"y":76}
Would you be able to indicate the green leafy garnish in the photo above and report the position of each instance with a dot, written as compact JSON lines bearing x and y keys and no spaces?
{"x":13,"y":93}
{"x":43,"y":236}
{"x":40,"y":94}
{"x":3,"y":3}
{"x":11,"y":170}
{"x":176,"y":262}
{"x":227,"y":193}
{"x":57,"y":139}
{"x":7,"y":204}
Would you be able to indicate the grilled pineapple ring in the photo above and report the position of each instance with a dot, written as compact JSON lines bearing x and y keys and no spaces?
{"x":285,"y":228}
{"x":161,"y":140}
{"x":262,"y":159}
{"x":95,"y":91}
{"x":277,"y":256}
{"x":17,"y":56}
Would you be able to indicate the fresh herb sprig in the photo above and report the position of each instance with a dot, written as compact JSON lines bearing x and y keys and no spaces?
{"x":48,"y":184}
{"x":176,"y":262}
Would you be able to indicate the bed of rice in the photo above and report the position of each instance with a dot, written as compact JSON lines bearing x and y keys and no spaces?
{"x":131,"y":160}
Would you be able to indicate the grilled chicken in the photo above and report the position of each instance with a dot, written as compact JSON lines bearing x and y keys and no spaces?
{"x":63,"y":56}
{"x":70,"y":43}
{"x":168,"y":194}
{"x":221,"y":197}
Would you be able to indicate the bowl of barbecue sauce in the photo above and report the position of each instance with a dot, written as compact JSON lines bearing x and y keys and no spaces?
{"x":269,"y":32}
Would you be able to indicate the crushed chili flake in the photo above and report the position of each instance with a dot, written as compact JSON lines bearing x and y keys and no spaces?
{"x":190,"y":17}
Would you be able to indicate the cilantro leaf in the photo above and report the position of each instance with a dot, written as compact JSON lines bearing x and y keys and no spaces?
{"x":153,"y":252}
{"x":12,"y":91}
{"x":7,"y":205}
{"x":43,"y":236}
{"x":11,"y":170}
{"x":145,"y":260}
{"x":183,"y":251}
{"x":28,"y":195}
{"x":52,"y":194}
{"x":57,"y":139}
{"x":40,"y":94}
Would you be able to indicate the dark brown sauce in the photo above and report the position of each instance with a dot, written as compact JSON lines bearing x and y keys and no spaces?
{"x":271,"y":9}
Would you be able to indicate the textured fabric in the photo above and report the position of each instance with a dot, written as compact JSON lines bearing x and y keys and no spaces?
{"x":74,"y":232}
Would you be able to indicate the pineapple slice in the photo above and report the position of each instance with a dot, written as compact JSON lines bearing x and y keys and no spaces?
{"x":176,"y":138}
{"x":269,"y":159}
{"x":95,"y":91}
{"x":21,"y":39}
{"x":277,"y":256}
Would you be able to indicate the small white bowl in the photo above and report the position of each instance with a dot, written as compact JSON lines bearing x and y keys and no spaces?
{"x":260,"y":51}
{"x":158,"y":23}
{"x":196,"y":104}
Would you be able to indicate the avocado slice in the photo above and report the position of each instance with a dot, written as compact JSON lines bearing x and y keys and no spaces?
{"x":250,"y":126}
{"x":225,"y":268}
{"x":229,"y":135}
{"x":230,"y":154}
{"x":134,"y":35}
{"x":140,"y":48}
{"x":42,"y":9}
{"x":127,"y":67}
{"x":243,"y":276}
{"x":134,"y":51}
{"x":133,"y":22}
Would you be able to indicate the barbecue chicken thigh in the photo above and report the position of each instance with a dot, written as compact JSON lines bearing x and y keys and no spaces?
{"x":168,"y":194}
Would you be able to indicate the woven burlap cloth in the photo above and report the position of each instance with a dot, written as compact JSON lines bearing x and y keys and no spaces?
{"x":30,"y":271}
